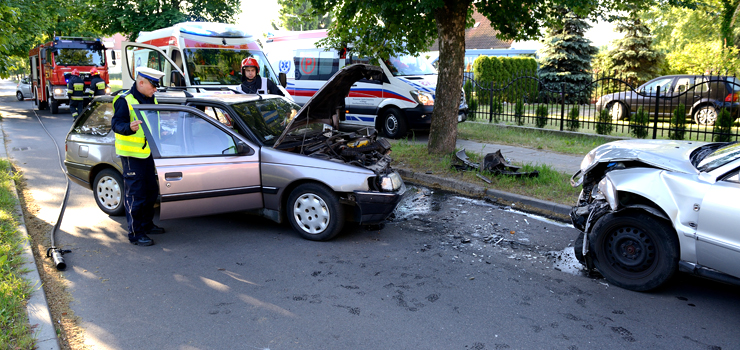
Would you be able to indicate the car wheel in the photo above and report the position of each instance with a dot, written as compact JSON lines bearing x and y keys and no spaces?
{"x":578,"y":249}
{"x":394,"y":123}
{"x":634,"y":251}
{"x":315,"y":212}
{"x":19,"y":95}
{"x":618,"y":111}
{"x":54,"y":105}
{"x":108,"y":192}
{"x":705,"y":115}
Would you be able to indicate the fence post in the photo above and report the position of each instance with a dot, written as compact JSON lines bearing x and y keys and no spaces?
{"x":562,"y":105}
{"x":490,"y":104}
{"x":655,"y":116}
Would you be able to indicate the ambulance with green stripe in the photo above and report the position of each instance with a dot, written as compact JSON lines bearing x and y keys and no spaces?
{"x":402,"y":100}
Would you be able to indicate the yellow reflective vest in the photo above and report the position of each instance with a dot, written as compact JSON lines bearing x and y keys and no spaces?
{"x":133,"y":145}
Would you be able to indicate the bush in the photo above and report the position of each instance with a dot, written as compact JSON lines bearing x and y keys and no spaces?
{"x":639,"y":124}
{"x":468,"y":88}
{"x":677,"y":129}
{"x":604,"y":124}
{"x":723,"y":126}
{"x":573,"y":122}
{"x":519,"y":112}
{"x":496,"y":108}
{"x":473,"y":106}
{"x":541,"y":113}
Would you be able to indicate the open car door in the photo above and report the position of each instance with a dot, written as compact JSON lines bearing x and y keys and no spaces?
{"x":203,"y":168}
{"x":137,"y":55}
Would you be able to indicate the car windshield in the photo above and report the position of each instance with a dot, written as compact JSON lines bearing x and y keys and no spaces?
{"x":409,"y":65}
{"x":79,"y":57}
{"x":267,"y":118}
{"x":222,"y":66}
{"x":723,"y":155}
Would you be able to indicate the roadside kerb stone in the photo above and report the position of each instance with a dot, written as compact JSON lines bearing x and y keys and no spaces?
{"x":37,"y":308}
{"x":549,"y":209}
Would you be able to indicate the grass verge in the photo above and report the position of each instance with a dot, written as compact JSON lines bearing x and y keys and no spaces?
{"x":550,"y":185}
{"x":535,"y":139}
{"x":15,"y":332}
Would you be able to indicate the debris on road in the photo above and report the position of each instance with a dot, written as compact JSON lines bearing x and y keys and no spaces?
{"x":494,"y":163}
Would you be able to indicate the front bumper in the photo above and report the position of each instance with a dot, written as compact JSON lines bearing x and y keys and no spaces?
{"x":374,"y":207}
{"x":420,"y":117}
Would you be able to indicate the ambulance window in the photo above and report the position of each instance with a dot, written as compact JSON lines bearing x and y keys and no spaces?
{"x":139,"y":57}
{"x":316,"y":65}
{"x":177,"y":58}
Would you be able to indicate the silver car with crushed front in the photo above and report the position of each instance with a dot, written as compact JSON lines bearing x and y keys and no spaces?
{"x":649,"y":208}
{"x":217,"y":153}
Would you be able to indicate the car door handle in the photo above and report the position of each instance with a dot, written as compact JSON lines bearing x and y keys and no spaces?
{"x":354,"y":85}
{"x":173,"y":176}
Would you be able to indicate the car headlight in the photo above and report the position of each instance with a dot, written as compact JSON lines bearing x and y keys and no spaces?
{"x":607,"y":188}
{"x":59,"y":91}
{"x":422,"y":97}
{"x":107,"y":90}
{"x":391,"y":182}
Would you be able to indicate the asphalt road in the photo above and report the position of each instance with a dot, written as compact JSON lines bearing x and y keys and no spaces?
{"x":447,"y":273}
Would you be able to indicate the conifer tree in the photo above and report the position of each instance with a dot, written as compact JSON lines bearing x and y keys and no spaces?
{"x":633,"y":57}
{"x":566,"y":58}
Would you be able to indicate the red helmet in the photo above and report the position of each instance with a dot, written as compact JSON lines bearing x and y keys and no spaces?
{"x":250,"y":62}
{"x":76,"y":72}
{"x":94,"y":71}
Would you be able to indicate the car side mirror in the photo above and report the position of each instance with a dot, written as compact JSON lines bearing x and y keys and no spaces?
{"x":242,"y":148}
{"x":283,"y":78}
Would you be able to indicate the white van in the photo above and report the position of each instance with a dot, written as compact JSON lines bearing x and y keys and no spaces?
{"x":403,"y":100}
{"x":199,"y":56}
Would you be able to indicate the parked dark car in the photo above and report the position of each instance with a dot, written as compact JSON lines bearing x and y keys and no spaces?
{"x":703,"y":96}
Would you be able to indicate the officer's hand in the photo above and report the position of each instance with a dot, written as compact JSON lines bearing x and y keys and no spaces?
{"x":135,"y":125}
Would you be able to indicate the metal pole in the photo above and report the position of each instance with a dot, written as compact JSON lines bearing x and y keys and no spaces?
{"x":562,"y":105}
{"x":655,"y":115}
{"x":490,"y":104}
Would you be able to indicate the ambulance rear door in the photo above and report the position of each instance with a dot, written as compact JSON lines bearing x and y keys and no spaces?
{"x":136,"y":55}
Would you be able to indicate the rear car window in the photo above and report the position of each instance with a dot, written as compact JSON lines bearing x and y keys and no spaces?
{"x":96,"y":120}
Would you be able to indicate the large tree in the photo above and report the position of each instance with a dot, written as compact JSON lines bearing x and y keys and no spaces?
{"x":298,"y":15}
{"x":131,"y":17}
{"x":565,"y":60}
{"x":380,"y":28}
{"x":633,"y":57}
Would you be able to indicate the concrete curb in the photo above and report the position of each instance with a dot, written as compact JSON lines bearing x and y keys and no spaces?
{"x":37,"y":308}
{"x":551,"y":210}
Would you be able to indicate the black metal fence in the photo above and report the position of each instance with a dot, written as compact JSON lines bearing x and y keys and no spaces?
{"x":681,"y":107}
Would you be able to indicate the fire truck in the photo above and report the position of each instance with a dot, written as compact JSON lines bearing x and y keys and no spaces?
{"x":52,"y":64}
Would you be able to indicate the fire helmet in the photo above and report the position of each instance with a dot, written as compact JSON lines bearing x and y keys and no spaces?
{"x":94,"y":71}
{"x":76,"y":72}
{"x":250,"y":62}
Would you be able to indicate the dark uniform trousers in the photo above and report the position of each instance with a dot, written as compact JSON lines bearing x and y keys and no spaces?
{"x":141,"y":190}
{"x":76,"y":107}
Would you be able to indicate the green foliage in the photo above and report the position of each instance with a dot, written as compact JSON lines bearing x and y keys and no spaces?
{"x":705,"y":57}
{"x":678,"y":123}
{"x":604,"y":124}
{"x":639,"y":124}
{"x":541,"y":112}
{"x":300,"y":15}
{"x":496,"y":108}
{"x":473,"y":106}
{"x":566,"y":58}
{"x":723,"y":126}
{"x":573,"y":122}
{"x":122,"y":16}
{"x":519,"y":112}
{"x":633,"y":56}
{"x":502,"y":71}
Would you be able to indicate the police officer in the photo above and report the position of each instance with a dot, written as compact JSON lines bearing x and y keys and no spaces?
{"x":139,"y":180}
{"x":76,"y":94}
{"x":252,"y":83}
{"x":97,"y":84}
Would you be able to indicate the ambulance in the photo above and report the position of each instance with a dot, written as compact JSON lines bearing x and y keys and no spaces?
{"x":197,"y":56}
{"x":402,"y":100}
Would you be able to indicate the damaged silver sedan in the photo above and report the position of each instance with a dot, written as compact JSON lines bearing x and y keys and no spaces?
{"x":650,"y":208}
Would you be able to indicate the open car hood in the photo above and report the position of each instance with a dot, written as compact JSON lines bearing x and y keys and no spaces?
{"x":327,"y":104}
{"x":668,"y":155}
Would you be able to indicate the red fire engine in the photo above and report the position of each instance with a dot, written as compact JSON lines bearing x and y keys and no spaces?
{"x":53,"y":62}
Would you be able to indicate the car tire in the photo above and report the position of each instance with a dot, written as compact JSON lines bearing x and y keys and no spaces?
{"x":618,"y":111}
{"x":705,"y":115}
{"x":108,"y":192}
{"x":315,"y":212}
{"x":394,"y":123}
{"x":53,"y":105}
{"x":19,"y":95}
{"x":578,"y":249}
{"x":41,"y":105}
{"x":634,"y":251}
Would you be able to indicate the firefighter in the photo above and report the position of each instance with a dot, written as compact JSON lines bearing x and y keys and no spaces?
{"x":97,"y":84}
{"x":139,"y":179}
{"x":76,"y":93}
{"x":252,"y":83}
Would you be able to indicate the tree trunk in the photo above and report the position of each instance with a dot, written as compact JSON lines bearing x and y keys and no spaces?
{"x":451,"y":29}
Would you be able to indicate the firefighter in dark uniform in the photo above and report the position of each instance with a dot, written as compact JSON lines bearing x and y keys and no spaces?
{"x":253,"y":83}
{"x":76,"y":93}
{"x":139,"y":179}
{"x":97,"y":84}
